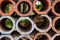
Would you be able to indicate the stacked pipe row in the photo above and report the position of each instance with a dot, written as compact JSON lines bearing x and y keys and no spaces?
{"x":36,"y":19}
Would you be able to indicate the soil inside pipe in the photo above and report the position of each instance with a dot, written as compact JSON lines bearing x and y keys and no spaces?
{"x":24,"y":38}
{"x":25,"y":25}
{"x":42,"y":22}
{"x":57,"y":7}
{"x":24,"y":7}
{"x":57,"y":38}
{"x":5,"y":38}
{"x":42,"y":37}
{"x":6,"y":6}
{"x":6,"y":24}
{"x":57,"y":24}
{"x":41,"y":5}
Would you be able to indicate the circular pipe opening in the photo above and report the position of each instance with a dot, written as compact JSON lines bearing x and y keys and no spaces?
{"x":42,"y":37}
{"x":6,"y":24}
{"x":24,"y":7}
{"x":57,"y":38}
{"x":42,"y":22}
{"x":6,"y":6}
{"x":41,"y":5}
{"x":57,"y":7}
{"x":24,"y":25}
{"x":57,"y":24}
{"x":5,"y":38}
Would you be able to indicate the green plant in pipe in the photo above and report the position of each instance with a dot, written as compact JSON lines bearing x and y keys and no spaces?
{"x":23,"y":7}
{"x":24,"y":22}
{"x":8,"y":23}
{"x":39,"y":20}
{"x":8,"y":8}
{"x":39,"y":5}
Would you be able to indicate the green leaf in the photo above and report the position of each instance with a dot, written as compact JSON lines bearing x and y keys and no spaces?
{"x":8,"y":23}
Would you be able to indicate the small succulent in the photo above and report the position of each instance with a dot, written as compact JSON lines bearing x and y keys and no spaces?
{"x":8,"y":8}
{"x":8,"y":23}
{"x":39,"y":5}
{"x":24,"y":22}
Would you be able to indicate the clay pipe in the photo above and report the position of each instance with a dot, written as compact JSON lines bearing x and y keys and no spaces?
{"x":41,"y":7}
{"x":7,"y":7}
{"x":24,"y":25}
{"x":7,"y":24}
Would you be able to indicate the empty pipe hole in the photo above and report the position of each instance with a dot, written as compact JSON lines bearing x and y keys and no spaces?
{"x":6,"y":6}
{"x":6,"y":24}
{"x":57,"y":38}
{"x":24,"y":25}
{"x":5,"y":38}
{"x":57,"y":24}
{"x":42,"y":5}
{"x":24,"y":7}
{"x":42,"y":37}
{"x":57,"y":7}
{"x":24,"y":38}
{"x":42,"y":22}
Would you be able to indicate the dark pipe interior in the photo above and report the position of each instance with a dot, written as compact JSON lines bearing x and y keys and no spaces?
{"x":3,"y":25}
{"x":24,"y":4}
{"x":26,"y":28}
{"x":57,"y":38}
{"x":57,"y":7}
{"x":42,"y":37}
{"x":24,"y":38}
{"x":45,"y":5}
{"x":57,"y":24}
{"x":5,"y":38}
{"x":44,"y":24}
{"x":3,"y":4}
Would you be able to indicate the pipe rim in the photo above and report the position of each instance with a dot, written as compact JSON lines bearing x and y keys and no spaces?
{"x":53,"y":25}
{"x":9,"y":36}
{"x":42,"y":12}
{"x":46,"y":34}
{"x":50,"y":25}
{"x":55,"y":36}
{"x":28,"y":13}
{"x":28,"y":36}
{"x":8,"y":32}
{"x":12,"y":10}
{"x":32,"y":23}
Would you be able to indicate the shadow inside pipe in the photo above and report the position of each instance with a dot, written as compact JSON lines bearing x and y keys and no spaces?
{"x":43,"y":5}
{"x":57,"y":24}
{"x":5,"y":38}
{"x":42,"y":37}
{"x":57,"y":7}
{"x":6,"y":24}
{"x":6,"y":6}
{"x":24,"y":38}
{"x":42,"y":22}
{"x":57,"y":38}
{"x":24,"y":7}
{"x":25,"y":25}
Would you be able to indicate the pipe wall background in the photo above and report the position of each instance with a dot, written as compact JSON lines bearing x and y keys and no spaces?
{"x":51,"y":32}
